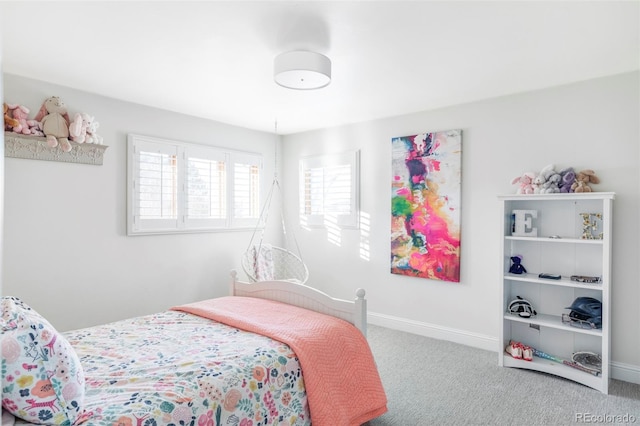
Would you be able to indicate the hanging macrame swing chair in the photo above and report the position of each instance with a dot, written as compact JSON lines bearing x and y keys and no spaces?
{"x":265,"y":262}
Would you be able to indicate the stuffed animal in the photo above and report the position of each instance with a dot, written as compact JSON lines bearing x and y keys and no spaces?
{"x":525,"y":183}
{"x":9,"y":121}
{"x":552,"y":185}
{"x":36,"y":129}
{"x":516,"y":266}
{"x":540,"y":181}
{"x":21,"y":114}
{"x":92,"y":135}
{"x":568,"y":177}
{"x":78,"y":127}
{"x":55,"y":123}
{"x":583,"y":179}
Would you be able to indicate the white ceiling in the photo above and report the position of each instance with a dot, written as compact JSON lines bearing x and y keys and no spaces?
{"x":214,"y":59}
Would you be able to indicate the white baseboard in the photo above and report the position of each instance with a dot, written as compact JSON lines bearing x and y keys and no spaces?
{"x":625,"y":372}
{"x":475,"y":340}
{"x":618,"y":371}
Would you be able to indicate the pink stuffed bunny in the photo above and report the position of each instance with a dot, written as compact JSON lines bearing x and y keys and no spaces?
{"x":526,"y":183}
{"x":78,"y":127}
{"x":21,"y":114}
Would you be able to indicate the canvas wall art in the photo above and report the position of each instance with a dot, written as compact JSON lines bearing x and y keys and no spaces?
{"x":425,"y":205}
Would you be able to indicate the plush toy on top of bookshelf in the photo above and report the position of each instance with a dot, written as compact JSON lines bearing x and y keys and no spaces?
{"x":550,"y":181}
{"x":568,"y":177}
{"x":525,"y":183}
{"x":583,"y":179}
{"x":547,"y":181}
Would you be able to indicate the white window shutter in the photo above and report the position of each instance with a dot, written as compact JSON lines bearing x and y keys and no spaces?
{"x":329,"y":190}
{"x":247,"y":171}
{"x":154,"y":197}
{"x":206,"y":188}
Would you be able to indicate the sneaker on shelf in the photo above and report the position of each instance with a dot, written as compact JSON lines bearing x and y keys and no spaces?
{"x":527,"y":352}
{"x":514,"y":349}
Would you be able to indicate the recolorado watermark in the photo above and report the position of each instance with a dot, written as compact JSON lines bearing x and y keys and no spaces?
{"x":605,"y":418}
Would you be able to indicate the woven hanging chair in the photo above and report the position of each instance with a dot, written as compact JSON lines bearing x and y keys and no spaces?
{"x":283,"y":265}
{"x":264,"y":262}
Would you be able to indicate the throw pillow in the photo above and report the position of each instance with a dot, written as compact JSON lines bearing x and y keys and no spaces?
{"x":42,"y":379}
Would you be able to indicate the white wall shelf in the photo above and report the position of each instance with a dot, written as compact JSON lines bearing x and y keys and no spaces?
{"x":557,"y":215}
{"x":552,"y":321}
{"x":36,"y":148}
{"x":564,"y":281}
{"x":555,"y":240}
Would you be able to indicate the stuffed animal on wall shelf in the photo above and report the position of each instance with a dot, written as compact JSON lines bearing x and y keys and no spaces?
{"x":78,"y":127}
{"x":9,"y":121}
{"x":92,"y":135}
{"x":583,"y":179}
{"x":20,"y":113}
{"x":55,"y":123}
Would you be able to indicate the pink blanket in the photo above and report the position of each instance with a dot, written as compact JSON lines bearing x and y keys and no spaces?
{"x":342,"y":381}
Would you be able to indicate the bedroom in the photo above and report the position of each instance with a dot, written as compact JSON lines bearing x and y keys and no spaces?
{"x":65,"y":245}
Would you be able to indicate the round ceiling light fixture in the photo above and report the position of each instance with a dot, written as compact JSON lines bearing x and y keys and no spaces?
{"x":302,"y":70}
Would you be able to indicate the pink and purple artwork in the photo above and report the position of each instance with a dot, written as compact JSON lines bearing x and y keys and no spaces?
{"x":425,"y":205}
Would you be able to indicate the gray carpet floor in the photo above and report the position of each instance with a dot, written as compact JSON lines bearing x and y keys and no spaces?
{"x":435,"y":382}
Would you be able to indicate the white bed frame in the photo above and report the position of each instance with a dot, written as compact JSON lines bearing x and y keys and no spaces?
{"x":306,"y":297}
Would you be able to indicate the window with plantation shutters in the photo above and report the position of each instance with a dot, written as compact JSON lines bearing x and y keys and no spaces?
{"x":205,"y":188}
{"x":155,"y":205}
{"x":329,"y":190}
{"x":180,"y":187}
{"x":246,"y":184}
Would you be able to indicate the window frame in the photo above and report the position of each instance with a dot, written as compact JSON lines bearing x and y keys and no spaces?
{"x":183,"y":151}
{"x":326,"y":162}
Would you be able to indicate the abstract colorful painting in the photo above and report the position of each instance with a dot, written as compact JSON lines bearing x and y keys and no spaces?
{"x":425,"y":205}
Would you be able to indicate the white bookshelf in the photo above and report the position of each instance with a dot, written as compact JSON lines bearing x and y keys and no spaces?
{"x":558,"y":248}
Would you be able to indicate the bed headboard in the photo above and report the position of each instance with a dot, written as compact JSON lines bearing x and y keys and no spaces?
{"x":306,"y":297}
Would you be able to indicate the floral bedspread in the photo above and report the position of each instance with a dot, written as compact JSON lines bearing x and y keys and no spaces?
{"x":174,"y":368}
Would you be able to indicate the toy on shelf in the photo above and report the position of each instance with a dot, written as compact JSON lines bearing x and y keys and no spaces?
{"x":552,"y":184}
{"x":583,"y":179}
{"x":568,"y":178}
{"x":78,"y":127}
{"x":9,"y":121}
{"x":524,"y":183}
{"x":546,"y":181}
{"x":516,"y":266}
{"x":55,"y":123}
{"x":550,"y":181}
{"x":20,"y":113}
{"x":92,"y":135}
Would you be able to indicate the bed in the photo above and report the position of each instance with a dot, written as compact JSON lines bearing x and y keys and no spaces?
{"x":271,"y":353}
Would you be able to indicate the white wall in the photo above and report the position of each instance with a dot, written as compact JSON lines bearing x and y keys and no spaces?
{"x":593,"y":124}
{"x":66,"y":250}
{"x":67,"y":254}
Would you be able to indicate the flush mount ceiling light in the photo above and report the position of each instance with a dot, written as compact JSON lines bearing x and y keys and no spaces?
{"x":302,"y":70}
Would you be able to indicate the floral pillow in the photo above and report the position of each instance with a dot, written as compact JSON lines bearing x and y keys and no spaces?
{"x":42,"y":379}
